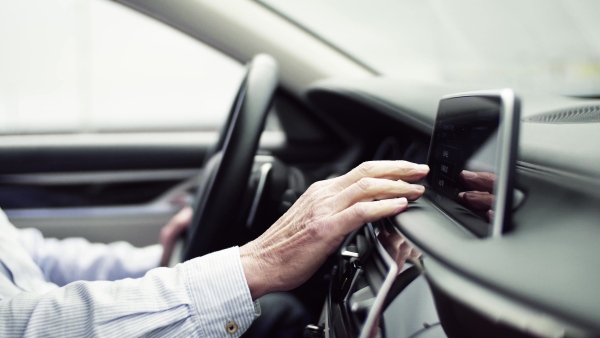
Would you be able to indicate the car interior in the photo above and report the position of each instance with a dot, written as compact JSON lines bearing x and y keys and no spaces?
{"x":304,"y":110}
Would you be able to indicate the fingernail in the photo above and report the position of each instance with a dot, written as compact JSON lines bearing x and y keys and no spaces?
{"x":423,"y":167}
{"x":461,"y":195}
{"x":419,"y":188}
{"x":468,"y":174}
{"x":402,"y":201}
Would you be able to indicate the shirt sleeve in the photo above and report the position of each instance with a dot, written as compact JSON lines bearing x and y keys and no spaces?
{"x":74,"y":259}
{"x":204,"y":297}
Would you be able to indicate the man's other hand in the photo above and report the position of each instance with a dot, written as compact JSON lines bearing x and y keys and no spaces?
{"x":172,"y":231}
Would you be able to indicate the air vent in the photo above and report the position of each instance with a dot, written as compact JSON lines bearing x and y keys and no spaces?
{"x":582,"y":114}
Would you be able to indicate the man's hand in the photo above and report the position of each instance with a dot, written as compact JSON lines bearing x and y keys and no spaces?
{"x":172,"y":231}
{"x":293,"y":248}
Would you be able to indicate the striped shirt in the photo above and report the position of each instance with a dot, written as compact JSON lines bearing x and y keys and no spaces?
{"x":42,"y":292}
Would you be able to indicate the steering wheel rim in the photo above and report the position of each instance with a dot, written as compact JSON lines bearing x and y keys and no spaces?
{"x":226,"y":173}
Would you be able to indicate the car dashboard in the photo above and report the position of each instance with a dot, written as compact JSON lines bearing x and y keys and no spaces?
{"x":538,"y":279}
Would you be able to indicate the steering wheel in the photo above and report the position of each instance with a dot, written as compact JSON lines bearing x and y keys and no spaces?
{"x":227,"y":171}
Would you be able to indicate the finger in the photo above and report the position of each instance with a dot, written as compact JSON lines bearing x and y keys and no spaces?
{"x":477,"y":200}
{"x":414,"y":253}
{"x":178,"y":223}
{"x":184,"y":216}
{"x":360,"y":213}
{"x":392,"y":170}
{"x":370,"y":189}
{"x":480,"y":181}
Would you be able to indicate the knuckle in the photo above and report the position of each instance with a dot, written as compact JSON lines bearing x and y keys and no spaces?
{"x":320,"y":184}
{"x":365,"y":184}
{"x":406,"y":166}
{"x":360,"y":210}
{"x":314,"y":187}
{"x":320,"y":209}
{"x":365,"y":168}
{"x":314,"y":230}
{"x":414,"y":189}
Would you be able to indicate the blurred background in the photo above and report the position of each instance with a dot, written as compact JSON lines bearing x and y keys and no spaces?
{"x":95,"y":65}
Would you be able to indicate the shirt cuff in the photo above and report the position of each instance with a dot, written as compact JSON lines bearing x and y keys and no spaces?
{"x":220,"y":295}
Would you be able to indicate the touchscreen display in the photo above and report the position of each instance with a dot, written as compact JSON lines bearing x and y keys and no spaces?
{"x":463,"y":160}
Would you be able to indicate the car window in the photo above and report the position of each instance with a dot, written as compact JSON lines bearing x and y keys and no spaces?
{"x":95,"y":65}
{"x":551,"y":45}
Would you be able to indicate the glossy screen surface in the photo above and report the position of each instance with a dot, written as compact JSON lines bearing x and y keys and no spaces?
{"x":463,"y":160}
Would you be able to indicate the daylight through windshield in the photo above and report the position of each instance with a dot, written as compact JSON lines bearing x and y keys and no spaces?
{"x":549,"y":45}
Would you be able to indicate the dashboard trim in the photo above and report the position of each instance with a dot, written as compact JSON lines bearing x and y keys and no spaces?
{"x":377,"y":306}
{"x":497,"y":308}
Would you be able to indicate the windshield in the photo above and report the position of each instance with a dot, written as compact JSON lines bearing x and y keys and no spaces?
{"x":550,"y":45}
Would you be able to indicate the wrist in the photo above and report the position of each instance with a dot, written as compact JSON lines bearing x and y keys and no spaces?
{"x":255,"y":277}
